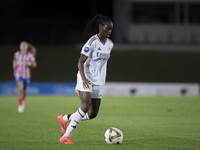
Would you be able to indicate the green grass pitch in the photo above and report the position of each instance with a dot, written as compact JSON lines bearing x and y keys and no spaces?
{"x":148,"y":123}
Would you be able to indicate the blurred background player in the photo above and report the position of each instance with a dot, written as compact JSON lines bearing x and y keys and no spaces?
{"x":91,"y":76}
{"x":23,"y":60}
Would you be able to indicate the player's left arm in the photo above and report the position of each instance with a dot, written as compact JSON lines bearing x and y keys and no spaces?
{"x":31,"y":62}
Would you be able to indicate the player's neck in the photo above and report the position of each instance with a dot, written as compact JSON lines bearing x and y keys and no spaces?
{"x":23,"y":51}
{"x":101,"y":38}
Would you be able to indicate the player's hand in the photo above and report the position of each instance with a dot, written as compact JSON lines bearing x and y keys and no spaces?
{"x":28,"y":63}
{"x":86,"y":84}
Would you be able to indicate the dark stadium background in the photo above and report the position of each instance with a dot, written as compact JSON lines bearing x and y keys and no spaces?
{"x":56,"y":27}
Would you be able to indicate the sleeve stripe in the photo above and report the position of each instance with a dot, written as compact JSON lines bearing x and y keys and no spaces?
{"x":91,"y":40}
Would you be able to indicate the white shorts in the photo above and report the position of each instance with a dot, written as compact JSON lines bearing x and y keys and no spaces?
{"x":95,"y":90}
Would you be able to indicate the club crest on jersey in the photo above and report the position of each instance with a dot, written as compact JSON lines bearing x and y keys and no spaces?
{"x":86,"y":49}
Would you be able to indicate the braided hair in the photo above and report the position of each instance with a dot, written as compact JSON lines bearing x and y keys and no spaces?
{"x":92,"y":26}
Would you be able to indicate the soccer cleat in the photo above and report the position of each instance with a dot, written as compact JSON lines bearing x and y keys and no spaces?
{"x":21,"y":107}
{"x":62,"y":123}
{"x":66,"y":140}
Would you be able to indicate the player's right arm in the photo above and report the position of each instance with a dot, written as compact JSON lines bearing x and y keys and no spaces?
{"x":14,"y":62}
{"x":81,"y":62}
{"x":85,"y":53}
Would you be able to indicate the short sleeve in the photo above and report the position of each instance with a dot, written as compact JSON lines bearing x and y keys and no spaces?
{"x":87,"y":49}
{"x":15,"y":56}
{"x":32,"y":58}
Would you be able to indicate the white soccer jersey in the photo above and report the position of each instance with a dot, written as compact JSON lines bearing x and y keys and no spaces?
{"x":98,"y":55}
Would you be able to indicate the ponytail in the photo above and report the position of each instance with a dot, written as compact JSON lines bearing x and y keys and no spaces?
{"x":92,"y":26}
{"x":32,"y":49}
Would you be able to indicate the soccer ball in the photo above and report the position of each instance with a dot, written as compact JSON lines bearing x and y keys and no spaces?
{"x":113,"y":136}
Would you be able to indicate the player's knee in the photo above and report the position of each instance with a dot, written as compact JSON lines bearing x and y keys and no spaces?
{"x":21,"y":90}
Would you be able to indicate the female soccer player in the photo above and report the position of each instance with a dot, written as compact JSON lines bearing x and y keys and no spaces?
{"x":91,"y":76}
{"x":23,"y":60}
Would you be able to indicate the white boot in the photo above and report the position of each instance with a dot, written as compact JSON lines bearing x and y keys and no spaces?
{"x":21,"y":107}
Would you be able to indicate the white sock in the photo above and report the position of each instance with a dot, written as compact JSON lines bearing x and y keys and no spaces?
{"x":86,"y":117}
{"x":70,"y":116}
{"x":76,"y":119}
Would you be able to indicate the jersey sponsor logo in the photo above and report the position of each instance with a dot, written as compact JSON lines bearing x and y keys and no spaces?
{"x":99,"y":48}
{"x":103,"y":55}
{"x":86,"y":49}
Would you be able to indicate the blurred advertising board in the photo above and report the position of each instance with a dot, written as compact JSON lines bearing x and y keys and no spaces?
{"x":40,"y":88}
{"x":110,"y":89}
{"x":150,"y":89}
